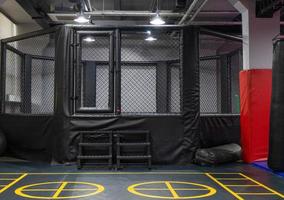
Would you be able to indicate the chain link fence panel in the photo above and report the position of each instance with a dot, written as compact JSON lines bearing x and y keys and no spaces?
{"x":29,"y":75}
{"x":217,"y":75}
{"x":95,"y":72}
{"x":150,"y":73}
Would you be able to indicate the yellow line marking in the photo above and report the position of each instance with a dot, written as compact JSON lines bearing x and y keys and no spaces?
{"x":242,"y":185}
{"x":116,"y":173}
{"x":231,"y":179}
{"x":97,"y":189}
{"x":220,"y":173}
{"x":12,"y":183}
{"x":134,"y":189}
{"x":53,"y":190}
{"x":263,"y":193}
{"x":225,"y":187}
{"x":60,"y":189}
{"x":171,"y":189}
{"x":164,"y":189}
{"x":264,"y":186}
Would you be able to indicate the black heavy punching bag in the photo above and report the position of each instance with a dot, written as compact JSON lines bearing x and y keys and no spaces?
{"x":3,"y":143}
{"x":276,"y":138}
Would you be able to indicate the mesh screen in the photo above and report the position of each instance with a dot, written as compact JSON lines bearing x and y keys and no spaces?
{"x":175,"y":90}
{"x":98,"y":50}
{"x":13,"y":82}
{"x":208,"y":86}
{"x":95,"y":93}
{"x":138,"y":88}
{"x":235,"y":65}
{"x":212,"y":73}
{"x":42,"y":86}
{"x":150,"y":82}
{"x":95,"y":73}
{"x":40,"y":45}
{"x":30,"y":76}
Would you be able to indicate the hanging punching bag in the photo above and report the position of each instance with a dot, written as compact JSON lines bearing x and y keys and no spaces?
{"x":3,"y":143}
{"x":276,"y":138}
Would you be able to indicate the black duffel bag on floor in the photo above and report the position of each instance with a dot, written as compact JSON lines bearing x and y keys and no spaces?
{"x":218,"y":155}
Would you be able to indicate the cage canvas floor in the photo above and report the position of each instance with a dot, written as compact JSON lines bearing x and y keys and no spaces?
{"x":19,"y":181}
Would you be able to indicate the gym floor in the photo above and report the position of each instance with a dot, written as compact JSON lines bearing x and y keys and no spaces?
{"x":20,"y":181}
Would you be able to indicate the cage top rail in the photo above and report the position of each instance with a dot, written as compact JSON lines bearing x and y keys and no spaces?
{"x":30,"y":35}
{"x":113,"y":27}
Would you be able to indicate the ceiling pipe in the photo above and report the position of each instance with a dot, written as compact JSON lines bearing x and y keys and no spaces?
{"x":118,"y":13}
{"x":198,"y":10}
{"x":223,"y":35}
{"x":194,"y":23}
{"x":188,"y":12}
{"x":88,"y":5}
{"x":109,"y":13}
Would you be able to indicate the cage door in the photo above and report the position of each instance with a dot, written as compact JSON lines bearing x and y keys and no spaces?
{"x":94,"y":84}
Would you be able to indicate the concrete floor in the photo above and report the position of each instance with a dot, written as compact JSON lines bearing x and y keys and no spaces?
{"x":20,"y":181}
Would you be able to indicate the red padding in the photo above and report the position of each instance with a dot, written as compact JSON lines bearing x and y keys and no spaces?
{"x":255,"y":94}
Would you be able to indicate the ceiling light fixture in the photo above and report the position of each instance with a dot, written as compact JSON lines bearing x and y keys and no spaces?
{"x":81,"y":18}
{"x":150,"y":39}
{"x":89,"y":39}
{"x":157,"y":20}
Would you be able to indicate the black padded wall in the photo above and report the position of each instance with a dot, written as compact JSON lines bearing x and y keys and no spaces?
{"x":219,"y":129}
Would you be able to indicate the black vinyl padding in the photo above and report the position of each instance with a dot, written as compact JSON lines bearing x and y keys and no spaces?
{"x":218,"y":155}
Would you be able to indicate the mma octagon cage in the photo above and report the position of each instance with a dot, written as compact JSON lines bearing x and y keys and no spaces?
{"x":66,"y":79}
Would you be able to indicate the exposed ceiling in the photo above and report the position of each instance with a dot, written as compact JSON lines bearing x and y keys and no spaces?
{"x":221,"y":10}
{"x":137,"y":11}
{"x":119,"y":12}
{"x":15,"y":12}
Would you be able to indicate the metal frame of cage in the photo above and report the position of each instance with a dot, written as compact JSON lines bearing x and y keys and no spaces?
{"x":114,"y":86}
{"x":115,"y":40}
{"x":25,"y":58}
{"x":58,"y":133}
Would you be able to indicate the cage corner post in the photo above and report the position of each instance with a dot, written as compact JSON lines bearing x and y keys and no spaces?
{"x":191,"y":100}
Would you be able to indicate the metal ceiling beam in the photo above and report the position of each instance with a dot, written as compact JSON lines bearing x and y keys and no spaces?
{"x":88,"y":5}
{"x":110,"y":13}
{"x":188,"y":12}
{"x":223,"y":35}
{"x":8,"y":16}
{"x":118,"y":13}
{"x":28,"y":6}
{"x":198,"y":11}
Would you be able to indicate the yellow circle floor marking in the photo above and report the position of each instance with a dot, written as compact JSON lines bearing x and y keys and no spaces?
{"x":82,"y":189}
{"x":173,"y":187}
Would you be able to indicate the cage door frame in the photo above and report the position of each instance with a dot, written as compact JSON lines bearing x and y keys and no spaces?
{"x":78,"y":73}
